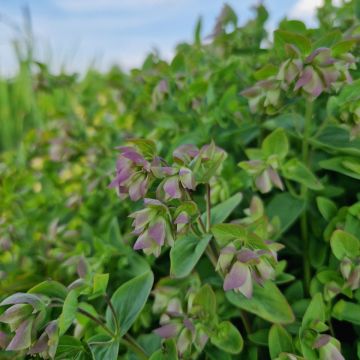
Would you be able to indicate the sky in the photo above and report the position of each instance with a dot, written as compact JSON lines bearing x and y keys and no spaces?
{"x":75,"y":33}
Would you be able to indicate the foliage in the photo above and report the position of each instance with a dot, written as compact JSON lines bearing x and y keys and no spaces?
{"x":232,"y":221}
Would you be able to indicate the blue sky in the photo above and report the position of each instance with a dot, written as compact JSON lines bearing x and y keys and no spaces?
{"x":75,"y":32}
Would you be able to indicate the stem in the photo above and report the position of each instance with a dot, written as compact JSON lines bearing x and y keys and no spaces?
{"x":96,"y":320}
{"x":304,"y":196}
{"x":208,"y":207}
{"x":246,"y":322}
{"x":131,"y":344}
{"x":210,"y":254}
{"x":111,"y":307}
{"x":198,"y":220}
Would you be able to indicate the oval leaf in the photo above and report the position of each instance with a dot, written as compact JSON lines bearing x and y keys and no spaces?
{"x":128,"y":301}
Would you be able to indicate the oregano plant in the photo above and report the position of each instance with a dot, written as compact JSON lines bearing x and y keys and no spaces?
{"x":232,"y":233}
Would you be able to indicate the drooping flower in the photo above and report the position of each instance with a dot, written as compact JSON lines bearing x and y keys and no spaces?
{"x":132,"y":174}
{"x":47,"y":344}
{"x":329,"y":348}
{"x":265,"y":175}
{"x":153,"y":225}
{"x":25,"y":315}
{"x":185,"y":153}
{"x":264,"y":96}
{"x":244,"y":266}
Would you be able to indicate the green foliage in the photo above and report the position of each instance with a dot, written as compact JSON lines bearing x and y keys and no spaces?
{"x":250,"y":232}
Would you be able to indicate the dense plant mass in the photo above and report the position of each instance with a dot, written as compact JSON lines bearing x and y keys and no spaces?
{"x":206,"y":208}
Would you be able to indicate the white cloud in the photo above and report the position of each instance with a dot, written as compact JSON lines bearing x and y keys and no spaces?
{"x":306,"y":9}
{"x":103,"y":5}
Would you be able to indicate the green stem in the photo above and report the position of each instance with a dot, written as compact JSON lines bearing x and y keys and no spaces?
{"x":208,"y":207}
{"x":113,"y":312}
{"x":131,"y":344}
{"x":96,"y":320}
{"x":304,"y":196}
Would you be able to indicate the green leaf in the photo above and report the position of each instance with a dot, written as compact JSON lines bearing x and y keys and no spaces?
{"x":68,"y":312}
{"x":326,"y":207}
{"x":295,"y":170}
{"x":186,"y":252}
{"x":344,"y":244}
{"x":267,"y":302}
{"x":282,"y":37}
{"x":342,"y":47}
{"x":220,"y":213}
{"x":227,"y":338}
{"x":50,"y":288}
{"x":224,"y":233}
{"x":314,"y":312}
{"x":204,"y":304}
{"x":100,"y":282}
{"x":260,"y":337}
{"x":276,"y":144}
{"x":341,"y":165}
{"x":70,"y":348}
{"x":279,"y":341}
{"x":128,"y":301}
{"x":337,"y":138}
{"x":168,"y":352}
{"x":104,"y":347}
{"x":286,"y":208}
{"x":347,"y":311}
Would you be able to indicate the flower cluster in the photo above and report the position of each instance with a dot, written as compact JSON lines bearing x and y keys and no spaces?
{"x":158,"y":222}
{"x":135,"y":172}
{"x":26,"y":315}
{"x":244,"y":266}
{"x":265,"y":94}
{"x":265,"y":174}
{"x":319,"y":72}
{"x":153,"y":225}
{"x":178,"y":321}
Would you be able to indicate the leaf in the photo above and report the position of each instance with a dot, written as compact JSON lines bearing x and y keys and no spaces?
{"x":128,"y":301}
{"x":279,"y":341}
{"x":282,"y":37}
{"x":50,"y":288}
{"x":295,"y":170}
{"x":70,"y":348}
{"x":276,"y":144}
{"x":168,"y":352}
{"x":337,"y":138}
{"x":338,"y":164}
{"x":68,"y":312}
{"x":100,"y":282}
{"x":104,"y":347}
{"x":220,"y":212}
{"x":204,"y":303}
{"x":224,"y":233}
{"x":344,"y":244}
{"x":186,"y":252}
{"x":267,"y":302}
{"x":227,"y":338}
{"x":285,"y":207}
{"x":326,"y":207}
{"x":315,"y":311}
{"x":347,"y":311}
{"x":342,"y":47}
